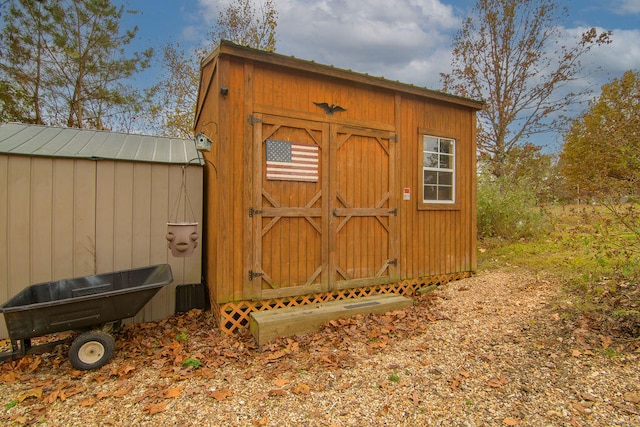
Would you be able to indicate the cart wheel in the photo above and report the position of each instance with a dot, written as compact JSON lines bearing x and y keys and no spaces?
{"x":91,"y":350}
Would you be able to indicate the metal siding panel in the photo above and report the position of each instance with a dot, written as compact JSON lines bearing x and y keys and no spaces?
{"x":41,"y":194}
{"x":159,"y":213}
{"x":141,"y":234}
{"x":62,"y":212}
{"x":4,"y":249}
{"x":84,"y":218}
{"x":123,"y":216}
{"x":18,"y":230}
{"x":105,"y":201}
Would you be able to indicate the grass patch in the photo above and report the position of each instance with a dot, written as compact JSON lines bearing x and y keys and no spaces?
{"x":589,"y":254}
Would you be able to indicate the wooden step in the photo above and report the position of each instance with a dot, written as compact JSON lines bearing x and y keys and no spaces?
{"x":282,"y":322}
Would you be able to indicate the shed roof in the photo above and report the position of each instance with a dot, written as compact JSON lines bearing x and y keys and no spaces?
{"x":228,"y":48}
{"x":50,"y":141}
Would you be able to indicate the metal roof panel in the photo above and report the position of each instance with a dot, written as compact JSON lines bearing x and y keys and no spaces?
{"x":50,"y":141}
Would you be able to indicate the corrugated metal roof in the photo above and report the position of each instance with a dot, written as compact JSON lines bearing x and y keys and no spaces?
{"x":49,"y":141}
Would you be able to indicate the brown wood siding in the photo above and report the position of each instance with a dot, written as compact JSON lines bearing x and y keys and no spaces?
{"x":63,"y":218}
{"x":427,"y":240}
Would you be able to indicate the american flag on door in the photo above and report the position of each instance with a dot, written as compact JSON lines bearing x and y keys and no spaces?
{"x":288,"y":161}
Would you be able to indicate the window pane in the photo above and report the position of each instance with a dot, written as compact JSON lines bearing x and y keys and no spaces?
{"x":430,"y":193}
{"x":430,"y":144}
{"x":445,"y":178}
{"x":430,"y":177}
{"x":430,"y":160}
{"x":446,"y":146}
{"x":446,"y":161}
{"x":444,"y":193}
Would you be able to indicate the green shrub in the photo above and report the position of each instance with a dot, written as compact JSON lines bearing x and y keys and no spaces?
{"x":508,"y":211}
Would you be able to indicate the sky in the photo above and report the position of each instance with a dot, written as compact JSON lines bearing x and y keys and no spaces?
{"x":404,"y":40}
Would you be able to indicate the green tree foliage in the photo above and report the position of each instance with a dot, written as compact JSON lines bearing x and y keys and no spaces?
{"x":244,"y":22}
{"x":64,"y":63}
{"x":23,"y":61}
{"x":601,"y":154}
{"x":601,"y":158}
{"x":510,"y":53}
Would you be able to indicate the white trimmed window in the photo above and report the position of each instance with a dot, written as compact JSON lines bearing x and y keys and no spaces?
{"x":438,"y":169}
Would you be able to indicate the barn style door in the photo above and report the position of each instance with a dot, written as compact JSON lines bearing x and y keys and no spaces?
{"x":322,"y":210}
{"x":364,"y":233}
{"x":290,"y":237}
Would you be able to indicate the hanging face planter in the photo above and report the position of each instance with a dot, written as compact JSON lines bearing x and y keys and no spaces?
{"x":182,"y":235}
{"x":182,"y":238}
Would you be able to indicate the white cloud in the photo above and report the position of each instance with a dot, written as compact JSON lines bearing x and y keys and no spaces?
{"x":628,"y":6}
{"x":605,"y":62}
{"x":405,"y":42}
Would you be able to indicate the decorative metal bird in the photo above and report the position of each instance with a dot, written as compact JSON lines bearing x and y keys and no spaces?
{"x":330,"y":109}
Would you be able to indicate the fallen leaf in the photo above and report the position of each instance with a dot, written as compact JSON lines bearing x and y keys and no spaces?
{"x":578,"y":407}
{"x":276,"y":355}
{"x":154,"y":408}
{"x":277,"y":393}
{"x":20,"y":419}
{"x":123,"y":390}
{"x":576,"y":353}
{"x":465,"y":374}
{"x":172,"y":392}
{"x":221,"y":394}
{"x":206,"y":373}
{"x":511,"y":422}
{"x":87,"y":402}
{"x":497,"y":382}
{"x":52,"y":397}
{"x":280,"y":382}
{"x":632,"y":397}
{"x":33,"y":393}
{"x":9,"y":377}
{"x":302,"y":389}
{"x":100,"y":378}
{"x":34,"y":365}
{"x":606,"y":341}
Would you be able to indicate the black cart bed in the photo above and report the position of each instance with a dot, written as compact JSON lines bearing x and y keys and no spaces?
{"x":81,"y":303}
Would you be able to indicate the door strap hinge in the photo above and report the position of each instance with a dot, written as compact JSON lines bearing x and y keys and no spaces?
{"x":253,"y":212}
{"x":253,"y":275}
{"x":393,"y":138}
{"x":394,"y":211}
{"x":393,"y":261}
{"x":253,"y":119}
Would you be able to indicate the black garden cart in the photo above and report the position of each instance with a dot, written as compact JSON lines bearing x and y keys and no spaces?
{"x":89,"y":305}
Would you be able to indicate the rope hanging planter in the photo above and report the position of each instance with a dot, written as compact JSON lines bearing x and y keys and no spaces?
{"x":182,"y":235}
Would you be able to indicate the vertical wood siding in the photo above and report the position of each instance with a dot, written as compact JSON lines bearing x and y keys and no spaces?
{"x":426,"y":240}
{"x":63,"y":218}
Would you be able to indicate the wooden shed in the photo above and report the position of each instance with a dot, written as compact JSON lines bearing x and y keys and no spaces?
{"x":330,"y":184}
{"x":81,"y":202}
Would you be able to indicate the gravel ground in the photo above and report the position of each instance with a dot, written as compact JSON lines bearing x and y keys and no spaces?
{"x":491,"y":350}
